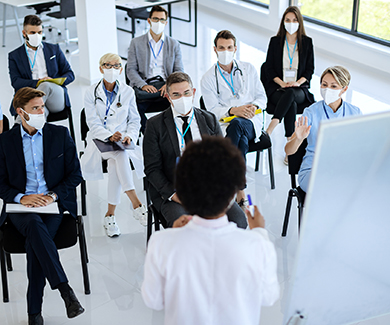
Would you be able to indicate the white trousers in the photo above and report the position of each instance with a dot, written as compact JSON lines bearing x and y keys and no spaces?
{"x":120,"y":177}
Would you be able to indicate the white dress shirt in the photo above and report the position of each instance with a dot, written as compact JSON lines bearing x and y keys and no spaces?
{"x":156,"y":64}
{"x":39,"y":70}
{"x":247,"y":86}
{"x":210,"y":272}
{"x":179,"y":127}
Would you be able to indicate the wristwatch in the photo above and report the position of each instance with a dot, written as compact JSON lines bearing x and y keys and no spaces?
{"x":52,"y":195}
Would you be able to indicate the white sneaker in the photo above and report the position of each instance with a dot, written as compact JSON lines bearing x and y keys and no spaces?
{"x":112,"y":229}
{"x":141,"y":214}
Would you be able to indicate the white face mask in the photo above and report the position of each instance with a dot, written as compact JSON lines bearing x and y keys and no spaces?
{"x":291,"y":28}
{"x":330,"y":95}
{"x":37,"y":121}
{"x":157,"y":28}
{"x":182,"y":105}
{"x":111,"y":75}
{"x":225,"y":57}
{"x":34,"y":39}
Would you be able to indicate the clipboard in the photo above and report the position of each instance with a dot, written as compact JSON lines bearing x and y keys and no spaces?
{"x":104,"y":146}
{"x":20,"y":208}
{"x":57,"y":81}
{"x":229,"y":118}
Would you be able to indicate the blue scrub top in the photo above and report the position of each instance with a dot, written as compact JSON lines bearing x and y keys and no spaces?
{"x":315,"y":114}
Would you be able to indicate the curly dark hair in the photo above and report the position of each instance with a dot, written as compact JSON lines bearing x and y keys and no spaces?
{"x":208,"y":175}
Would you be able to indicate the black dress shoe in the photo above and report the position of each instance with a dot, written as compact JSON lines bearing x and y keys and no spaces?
{"x":73,"y":306}
{"x":35,"y":319}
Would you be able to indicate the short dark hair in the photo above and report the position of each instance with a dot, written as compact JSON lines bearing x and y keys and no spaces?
{"x":24,"y":95}
{"x":158,"y":9}
{"x":208,"y":175}
{"x":226,"y":34}
{"x":32,"y":20}
{"x":176,"y":78}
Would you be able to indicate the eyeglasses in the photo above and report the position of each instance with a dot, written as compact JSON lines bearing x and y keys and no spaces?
{"x":187,"y":93}
{"x":109,"y":66}
{"x":156,"y":20}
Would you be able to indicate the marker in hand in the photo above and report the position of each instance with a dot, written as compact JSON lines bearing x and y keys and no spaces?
{"x":250,"y":207}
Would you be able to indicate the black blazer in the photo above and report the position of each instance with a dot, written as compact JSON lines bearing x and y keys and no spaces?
{"x":161,"y":148}
{"x":56,"y":64}
{"x":61,"y":166}
{"x":273,"y":66}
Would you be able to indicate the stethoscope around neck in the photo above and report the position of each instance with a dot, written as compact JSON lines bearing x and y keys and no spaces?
{"x":235,"y":69}
{"x":118,"y":104}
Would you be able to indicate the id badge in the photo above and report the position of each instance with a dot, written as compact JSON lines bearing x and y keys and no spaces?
{"x":290,"y":75}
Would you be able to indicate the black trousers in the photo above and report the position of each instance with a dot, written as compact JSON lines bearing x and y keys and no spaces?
{"x":43,"y":261}
{"x":286,"y":106}
{"x":172,"y":211}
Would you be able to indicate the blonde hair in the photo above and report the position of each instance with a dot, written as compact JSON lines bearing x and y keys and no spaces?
{"x":109,"y":57}
{"x":339,"y":73}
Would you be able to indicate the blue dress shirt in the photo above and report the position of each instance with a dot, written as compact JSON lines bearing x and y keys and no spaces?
{"x":33,"y":156}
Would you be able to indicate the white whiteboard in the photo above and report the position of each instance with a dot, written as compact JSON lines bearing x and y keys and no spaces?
{"x":342,"y":268}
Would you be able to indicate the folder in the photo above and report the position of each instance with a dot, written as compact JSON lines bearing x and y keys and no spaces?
{"x":57,"y":81}
{"x":229,"y":118}
{"x":104,"y":146}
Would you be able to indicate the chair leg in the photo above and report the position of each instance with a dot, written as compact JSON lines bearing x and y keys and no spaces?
{"x":149,"y":226}
{"x":83,"y":255}
{"x":257,"y":161}
{"x":83,"y":198}
{"x":9,"y":262}
{"x":287,"y":215}
{"x":4,"y":274}
{"x":300,"y":210}
{"x":71,"y":127}
{"x":271,"y":168}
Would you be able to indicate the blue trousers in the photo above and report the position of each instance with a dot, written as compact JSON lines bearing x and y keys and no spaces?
{"x":241,"y":131}
{"x":43,"y":261}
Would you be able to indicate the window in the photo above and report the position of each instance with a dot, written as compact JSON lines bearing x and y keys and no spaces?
{"x":263,"y":3}
{"x":368,"y":19}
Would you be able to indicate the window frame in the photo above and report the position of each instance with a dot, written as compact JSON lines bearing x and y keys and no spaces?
{"x":254,"y":2}
{"x":353,"y":30}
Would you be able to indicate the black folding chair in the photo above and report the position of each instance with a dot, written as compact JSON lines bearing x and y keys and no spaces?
{"x":294,"y":164}
{"x":257,"y":147}
{"x":65,"y":114}
{"x":5,"y":123}
{"x":12,"y":242}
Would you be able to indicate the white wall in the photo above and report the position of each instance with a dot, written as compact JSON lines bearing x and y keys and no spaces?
{"x":333,"y":43}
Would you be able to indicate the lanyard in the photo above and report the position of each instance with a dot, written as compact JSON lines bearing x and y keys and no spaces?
{"x":185,"y":132}
{"x":108,"y":104}
{"x":288,"y":49}
{"x":159,"y":51}
{"x":231,"y":78}
{"x":326,"y":113}
{"x":35,"y":57}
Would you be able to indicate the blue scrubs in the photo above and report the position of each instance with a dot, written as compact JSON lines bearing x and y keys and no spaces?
{"x":315,"y":114}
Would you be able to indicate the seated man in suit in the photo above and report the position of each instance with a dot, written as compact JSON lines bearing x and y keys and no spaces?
{"x":232,"y":87}
{"x":39,"y":166}
{"x":166,"y":136}
{"x":151,"y":59}
{"x":37,"y":61}
{"x":207,"y":271}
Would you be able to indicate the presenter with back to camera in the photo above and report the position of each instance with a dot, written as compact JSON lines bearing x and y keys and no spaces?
{"x":112,"y":117}
{"x":289,"y":68}
{"x":334,"y":83}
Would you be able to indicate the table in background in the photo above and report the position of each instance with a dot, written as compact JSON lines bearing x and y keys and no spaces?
{"x":132,"y":5}
{"x":15,"y":4}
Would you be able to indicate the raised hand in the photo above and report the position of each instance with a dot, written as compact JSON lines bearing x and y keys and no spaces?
{"x":302,"y":129}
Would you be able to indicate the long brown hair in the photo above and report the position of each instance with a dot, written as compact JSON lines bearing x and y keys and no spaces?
{"x":301,"y":30}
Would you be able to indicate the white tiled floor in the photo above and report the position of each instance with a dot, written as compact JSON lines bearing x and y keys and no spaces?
{"x":116,"y":264}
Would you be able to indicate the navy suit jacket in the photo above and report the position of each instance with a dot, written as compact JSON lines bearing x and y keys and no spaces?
{"x":61,"y":166}
{"x":56,"y":64}
{"x":161,"y":148}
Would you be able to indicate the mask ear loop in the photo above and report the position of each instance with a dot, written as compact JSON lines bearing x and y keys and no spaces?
{"x":25,"y":113}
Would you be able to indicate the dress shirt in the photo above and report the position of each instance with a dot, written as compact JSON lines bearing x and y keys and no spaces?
{"x":39,"y":71}
{"x":156,"y":65}
{"x":210,"y":272}
{"x":179,"y":126}
{"x":114,"y":92}
{"x":33,"y":157}
{"x":315,"y":114}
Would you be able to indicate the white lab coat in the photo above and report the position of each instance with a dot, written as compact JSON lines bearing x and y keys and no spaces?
{"x":124,"y":119}
{"x":251,"y":92}
{"x":210,"y":272}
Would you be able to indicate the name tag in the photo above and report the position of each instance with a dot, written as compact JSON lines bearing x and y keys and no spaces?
{"x":290,"y":75}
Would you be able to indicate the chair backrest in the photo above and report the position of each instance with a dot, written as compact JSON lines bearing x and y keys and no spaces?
{"x":5,"y":123}
{"x":66,"y":236}
{"x":67,"y":8}
{"x":126,"y":78}
{"x":263,"y":75}
{"x":83,"y":125}
{"x":295,"y":160}
{"x":202,"y":104}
